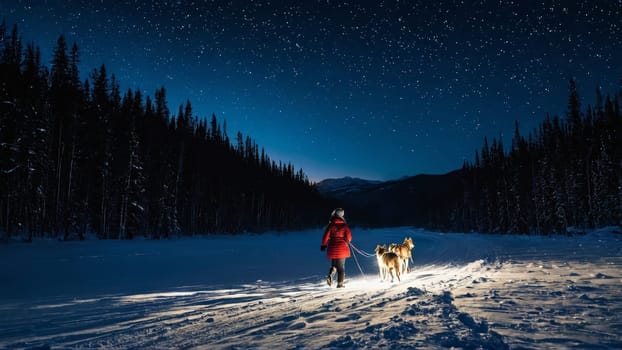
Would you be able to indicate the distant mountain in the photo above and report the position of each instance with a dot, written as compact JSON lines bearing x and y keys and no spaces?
{"x":337,"y":188}
{"x":416,"y":200}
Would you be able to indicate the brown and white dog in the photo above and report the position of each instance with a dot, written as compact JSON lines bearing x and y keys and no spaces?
{"x":388,"y":262}
{"x":404,"y":251}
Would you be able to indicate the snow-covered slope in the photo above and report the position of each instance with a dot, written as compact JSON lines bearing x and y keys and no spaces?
{"x":268,"y":291}
{"x":341,"y":186}
{"x":410,"y":200}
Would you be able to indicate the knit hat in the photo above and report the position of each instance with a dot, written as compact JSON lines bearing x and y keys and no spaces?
{"x":338,"y":212}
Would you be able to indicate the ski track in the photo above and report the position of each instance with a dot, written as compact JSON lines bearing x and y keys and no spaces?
{"x":528,"y":297}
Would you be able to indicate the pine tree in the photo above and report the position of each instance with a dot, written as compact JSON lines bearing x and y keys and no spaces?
{"x":37,"y":139}
{"x":61,"y":119}
{"x":101,"y":159}
{"x":10,"y":132}
{"x":131,"y":176}
{"x":10,"y":65}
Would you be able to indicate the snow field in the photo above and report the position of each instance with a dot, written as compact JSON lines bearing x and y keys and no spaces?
{"x":268,"y":291}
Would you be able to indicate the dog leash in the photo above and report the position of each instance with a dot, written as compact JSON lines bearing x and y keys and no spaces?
{"x":362,"y":252}
{"x":356,"y":260}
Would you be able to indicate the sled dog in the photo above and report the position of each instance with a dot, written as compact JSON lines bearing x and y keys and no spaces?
{"x":404,"y":251}
{"x":388,"y":262}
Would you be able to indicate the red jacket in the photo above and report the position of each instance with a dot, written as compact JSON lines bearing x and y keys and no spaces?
{"x":336,"y":237}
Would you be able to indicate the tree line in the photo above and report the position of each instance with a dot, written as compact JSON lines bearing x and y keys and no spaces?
{"x":79,"y":157}
{"x":564,"y":176}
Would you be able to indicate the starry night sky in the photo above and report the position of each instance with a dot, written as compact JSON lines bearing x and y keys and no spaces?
{"x":371,"y":89}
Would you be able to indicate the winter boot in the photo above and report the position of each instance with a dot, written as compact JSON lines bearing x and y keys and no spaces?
{"x":329,"y":278}
{"x":341,"y":276}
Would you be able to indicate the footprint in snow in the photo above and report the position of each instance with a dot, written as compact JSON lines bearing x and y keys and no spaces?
{"x":381,"y":304}
{"x":316,"y":318}
{"x":289,"y":318}
{"x":412,"y":291}
{"x":298,"y":325}
{"x":350,"y":317}
{"x":400,"y":331}
{"x":477,"y":327}
{"x":412,"y":311}
{"x":467,"y":295}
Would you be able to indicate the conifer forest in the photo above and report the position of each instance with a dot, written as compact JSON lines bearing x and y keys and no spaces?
{"x":82,"y":157}
{"x":565,"y":176}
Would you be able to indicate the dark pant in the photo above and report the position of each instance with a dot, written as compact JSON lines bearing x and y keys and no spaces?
{"x":340,"y":266}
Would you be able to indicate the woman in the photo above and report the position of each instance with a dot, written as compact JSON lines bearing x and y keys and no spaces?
{"x":336,"y":238}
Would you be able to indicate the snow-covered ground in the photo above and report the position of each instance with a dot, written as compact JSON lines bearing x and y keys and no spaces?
{"x":269,"y":292}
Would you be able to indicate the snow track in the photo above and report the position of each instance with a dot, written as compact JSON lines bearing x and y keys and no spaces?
{"x":466,"y":291}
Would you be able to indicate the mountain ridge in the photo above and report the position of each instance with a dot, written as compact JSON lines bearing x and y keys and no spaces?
{"x":411,"y":200}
